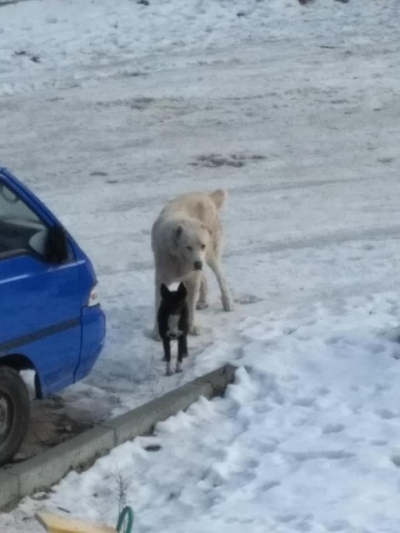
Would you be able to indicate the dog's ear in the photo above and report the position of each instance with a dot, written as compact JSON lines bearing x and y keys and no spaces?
{"x":164,"y":291}
{"x":178,"y":232}
{"x":182,"y":291}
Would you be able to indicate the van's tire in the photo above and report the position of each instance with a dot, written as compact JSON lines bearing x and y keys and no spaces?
{"x":14,"y":412}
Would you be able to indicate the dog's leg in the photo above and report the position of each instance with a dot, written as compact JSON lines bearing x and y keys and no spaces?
{"x":182,"y":352}
{"x":157,"y":284}
{"x":202,"y":301}
{"x":193,"y":287}
{"x":167,"y":355}
{"x":227,"y":302}
{"x":185,"y":347}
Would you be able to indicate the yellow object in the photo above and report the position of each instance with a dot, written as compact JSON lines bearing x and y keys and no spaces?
{"x":61,"y":524}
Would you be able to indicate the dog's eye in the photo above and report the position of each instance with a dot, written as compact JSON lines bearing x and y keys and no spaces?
{"x":203,"y":246}
{"x":189,"y":248}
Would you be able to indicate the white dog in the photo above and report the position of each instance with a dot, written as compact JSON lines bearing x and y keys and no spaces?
{"x":186,"y":234}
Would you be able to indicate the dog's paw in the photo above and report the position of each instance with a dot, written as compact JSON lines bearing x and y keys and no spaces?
{"x":201,"y":305}
{"x":194,"y":330}
{"x":168,"y":371}
{"x":227,"y":304}
{"x":178,"y":369}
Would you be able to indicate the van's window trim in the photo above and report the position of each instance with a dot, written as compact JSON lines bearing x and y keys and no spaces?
{"x":4,"y":180}
{"x":23,"y":251}
{"x":25,"y":199}
{"x":10,"y":254}
{"x":20,"y":252}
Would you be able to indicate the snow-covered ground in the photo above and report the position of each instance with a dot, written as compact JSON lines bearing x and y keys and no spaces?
{"x":306,"y":440}
{"x":111,"y":109}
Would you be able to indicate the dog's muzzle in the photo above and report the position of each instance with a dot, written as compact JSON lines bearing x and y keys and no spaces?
{"x":198,"y":265}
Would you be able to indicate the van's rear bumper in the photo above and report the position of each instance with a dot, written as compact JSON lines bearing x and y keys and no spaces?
{"x":93,"y":338}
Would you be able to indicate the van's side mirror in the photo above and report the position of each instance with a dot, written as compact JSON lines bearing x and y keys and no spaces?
{"x":57,"y":245}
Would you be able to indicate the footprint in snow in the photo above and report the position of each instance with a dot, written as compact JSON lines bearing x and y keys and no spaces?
{"x":247,"y":299}
{"x":337,"y":525}
{"x":269,"y":485}
{"x":304,"y":402}
{"x":330,"y":454}
{"x":285,"y":518}
{"x":396,"y":460}
{"x":333,"y":428}
{"x":386,"y":414}
{"x":379,"y":442}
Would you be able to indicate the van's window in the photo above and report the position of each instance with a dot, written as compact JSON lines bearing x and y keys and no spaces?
{"x":20,"y":228}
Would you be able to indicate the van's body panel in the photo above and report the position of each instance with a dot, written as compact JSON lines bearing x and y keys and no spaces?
{"x":44,"y":316}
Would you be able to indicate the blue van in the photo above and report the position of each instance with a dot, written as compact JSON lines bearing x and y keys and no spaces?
{"x":50,"y":317}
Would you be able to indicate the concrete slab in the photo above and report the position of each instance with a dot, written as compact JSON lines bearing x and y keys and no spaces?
{"x":143,"y":419}
{"x":48,"y":468}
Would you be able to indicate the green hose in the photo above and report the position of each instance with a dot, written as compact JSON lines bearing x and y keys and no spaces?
{"x":128,"y":515}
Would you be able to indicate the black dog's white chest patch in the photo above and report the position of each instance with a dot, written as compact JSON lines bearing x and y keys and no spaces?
{"x":173,"y":326}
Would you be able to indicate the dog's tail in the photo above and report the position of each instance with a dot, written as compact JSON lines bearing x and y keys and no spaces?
{"x":219,"y":198}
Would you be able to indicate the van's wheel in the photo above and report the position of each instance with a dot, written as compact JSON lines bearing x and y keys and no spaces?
{"x":14,"y":412}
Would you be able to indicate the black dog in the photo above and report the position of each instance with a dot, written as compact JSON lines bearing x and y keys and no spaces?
{"x":173,"y":323}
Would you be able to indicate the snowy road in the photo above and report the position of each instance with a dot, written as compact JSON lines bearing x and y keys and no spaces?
{"x":303,"y":130}
{"x":310,"y":163}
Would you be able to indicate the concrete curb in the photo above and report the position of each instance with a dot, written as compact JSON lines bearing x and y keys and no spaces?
{"x":46,"y":469}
